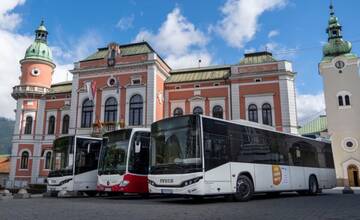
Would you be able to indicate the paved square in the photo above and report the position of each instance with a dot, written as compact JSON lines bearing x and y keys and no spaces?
{"x":288,"y":206}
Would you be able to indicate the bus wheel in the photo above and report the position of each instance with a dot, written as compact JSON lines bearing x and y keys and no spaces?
{"x":197,"y":198}
{"x":313,"y":186}
{"x":273,"y":194}
{"x":91,"y":193}
{"x":244,"y":189}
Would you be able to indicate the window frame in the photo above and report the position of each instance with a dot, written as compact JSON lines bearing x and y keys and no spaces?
{"x":87,"y":111}
{"x":51,"y":125}
{"x":110,"y":110}
{"x":47,"y":160}
{"x":178,"y":112}
{"x":24,"y":160}
{"x":65,"y":124}
{"x":194,"y":111}
{"x":266,"y":111}
{"x":253,"y":113}
{"x":217,"y":109}
{"x":28,"y":125}
{"x":136,"y":109}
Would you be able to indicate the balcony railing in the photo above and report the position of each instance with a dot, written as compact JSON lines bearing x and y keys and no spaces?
{"x":17,"y":90}
{"x":99,"y":128}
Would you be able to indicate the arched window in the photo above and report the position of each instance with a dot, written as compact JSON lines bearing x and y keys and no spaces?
{"x":65,"y":124}
{"x":347,"y":100}
{"x":51,"y":126}
{"x":266,"y":114}
{"x":340,"y":100}
{"x":47,"y":160}
{"x":217,"y":111}
{"x":198,"y":110}
{"x":136,"y":110}
{"x":28,"y":125}
{"x":178,"y":112}
{"x":110,"y":110}
{"x":24,"y":160}
{"x":253,"y":113}
{"x":86,"y":113}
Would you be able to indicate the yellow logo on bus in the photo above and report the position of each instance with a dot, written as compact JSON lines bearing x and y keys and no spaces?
{"x":277,"y":176}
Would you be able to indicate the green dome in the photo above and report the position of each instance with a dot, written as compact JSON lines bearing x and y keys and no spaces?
{"x":333,"y":20}
{"x":336,"y":47}
{"x":39,"y":50}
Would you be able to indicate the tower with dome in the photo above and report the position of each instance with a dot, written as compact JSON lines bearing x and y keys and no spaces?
{"x":339,"y":69}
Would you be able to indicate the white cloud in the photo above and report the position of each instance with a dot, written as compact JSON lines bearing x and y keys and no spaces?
{"x":14,"y":45}
{"x":309,"y":106}
{"x":240,"y":19}
{"x":125,"y":23}
{"x":189,"y":60}
{"x":73,"y":52}
{"x":280,"y":51}
{"x":13,"y":48}
{"x":8,"y":20}
{"x":179,"y":40}
{"x":273,"y":33}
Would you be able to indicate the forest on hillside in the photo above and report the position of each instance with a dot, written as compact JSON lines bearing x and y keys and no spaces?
{"x":6,"y":131}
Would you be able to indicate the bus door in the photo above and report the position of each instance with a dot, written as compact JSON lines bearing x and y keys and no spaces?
{"x":139,"y":153}
{"x":87,"y":152}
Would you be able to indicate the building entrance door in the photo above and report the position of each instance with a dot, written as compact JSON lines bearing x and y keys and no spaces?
{"x":353,"y":174}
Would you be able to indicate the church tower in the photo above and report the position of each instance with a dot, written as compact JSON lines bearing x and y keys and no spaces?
{"x":37,"y":69}
{"x":339,"y":69}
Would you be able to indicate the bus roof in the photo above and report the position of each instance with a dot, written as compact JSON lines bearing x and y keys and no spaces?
{"x":260,"y":126}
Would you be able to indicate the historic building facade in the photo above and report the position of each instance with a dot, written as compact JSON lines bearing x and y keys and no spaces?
{"x":131,"y":85}
{"x":339,"y":69}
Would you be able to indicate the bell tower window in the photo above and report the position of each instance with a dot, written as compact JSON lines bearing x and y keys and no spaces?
{"x":340,"y":100}
{"x":347,"y":100}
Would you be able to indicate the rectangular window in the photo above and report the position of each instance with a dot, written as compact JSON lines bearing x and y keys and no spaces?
{"x":136,"y":81}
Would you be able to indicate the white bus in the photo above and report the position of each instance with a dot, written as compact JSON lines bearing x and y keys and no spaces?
{"x":74,"y":165}
{"x":124,"y":161}
{"x":196,"y":156}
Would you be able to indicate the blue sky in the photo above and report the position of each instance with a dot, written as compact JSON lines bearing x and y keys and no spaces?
{"x":217,"y":31}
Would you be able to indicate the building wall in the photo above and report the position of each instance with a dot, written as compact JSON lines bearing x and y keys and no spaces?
{"x":271,"y":83}
{"x":343,"y":121}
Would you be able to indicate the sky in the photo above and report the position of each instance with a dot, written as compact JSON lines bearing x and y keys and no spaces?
{"x":182,"y":32}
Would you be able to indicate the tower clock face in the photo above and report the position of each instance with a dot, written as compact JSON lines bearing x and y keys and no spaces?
{"x":339,"y":64}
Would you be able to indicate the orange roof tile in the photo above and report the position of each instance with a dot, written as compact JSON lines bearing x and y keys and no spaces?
{"x":5,"y":164}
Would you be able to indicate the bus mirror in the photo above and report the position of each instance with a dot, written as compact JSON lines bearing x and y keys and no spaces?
{"x":137,"y":146}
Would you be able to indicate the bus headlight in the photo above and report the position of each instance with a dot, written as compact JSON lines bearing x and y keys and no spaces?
{"x":124,"y":183}
{"x":191,"y":181}
{"x":65,"y":181}
{"x":151,"y":182}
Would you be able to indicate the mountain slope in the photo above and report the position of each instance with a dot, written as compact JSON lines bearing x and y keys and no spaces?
{"x":6,"y":131}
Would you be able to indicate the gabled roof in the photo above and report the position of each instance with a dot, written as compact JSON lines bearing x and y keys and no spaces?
{"x":315,"y":126}
{"x":125,"y":50}
{"x":62,"y":87}
{"x":199,"y":74}
{"x":257,"y":58}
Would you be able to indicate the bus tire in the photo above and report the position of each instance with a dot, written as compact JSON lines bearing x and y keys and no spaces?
{"x":91,"y":193}
{"x":313,"y":185}
{"x":197,"y":198}
{"x":244,"y":189}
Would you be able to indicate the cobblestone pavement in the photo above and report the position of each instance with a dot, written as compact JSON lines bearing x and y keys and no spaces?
{"x":288,"y":206}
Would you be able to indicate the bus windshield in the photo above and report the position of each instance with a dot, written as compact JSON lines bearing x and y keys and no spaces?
{"x":175,"y":146}
{"x":63,"y":159}
{"x":114,"y":152}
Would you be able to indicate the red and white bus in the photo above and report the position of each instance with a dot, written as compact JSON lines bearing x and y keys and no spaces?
{"x":124,"y":161}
